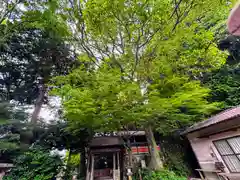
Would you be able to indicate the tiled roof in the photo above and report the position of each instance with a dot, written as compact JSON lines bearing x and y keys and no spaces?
{"x":220,"y":117}
{"x":6,"y":165}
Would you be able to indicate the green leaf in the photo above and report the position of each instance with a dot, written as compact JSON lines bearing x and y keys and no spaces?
{"x":4,"y":22}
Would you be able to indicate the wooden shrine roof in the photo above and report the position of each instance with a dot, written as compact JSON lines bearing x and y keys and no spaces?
{"x":221,"y":117}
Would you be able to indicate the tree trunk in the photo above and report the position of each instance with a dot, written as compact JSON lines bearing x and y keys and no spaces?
{"x":155,"y":162}
{"x":27,"y":137}
{"x":130,"y":162}
{"x":38,"y":105}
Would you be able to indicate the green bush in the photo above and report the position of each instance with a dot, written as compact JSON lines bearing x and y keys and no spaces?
{"x":161,"y":175}
{"x":175,"y":155}
{"x":35,"y":164}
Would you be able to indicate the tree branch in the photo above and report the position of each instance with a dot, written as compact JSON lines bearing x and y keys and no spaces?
{"x":9,"y":10}
{"x":184,"y":14}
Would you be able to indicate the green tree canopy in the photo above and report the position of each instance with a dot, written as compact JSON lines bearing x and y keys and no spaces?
{"x":32,"y":50}
{"x":28,"y":60}
{"x":141,"y":59}
{"x":224,"y":83}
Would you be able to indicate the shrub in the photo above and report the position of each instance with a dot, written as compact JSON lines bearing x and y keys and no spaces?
{"x":161,"y":175}
{"x":35,"y":164}
{"x":175,"y":155}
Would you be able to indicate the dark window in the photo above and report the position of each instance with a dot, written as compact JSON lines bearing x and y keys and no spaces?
{"x":229,"y":149}
{"x":131,"y":139}
{"x":103,"y":161}
{"x":140,"y":139}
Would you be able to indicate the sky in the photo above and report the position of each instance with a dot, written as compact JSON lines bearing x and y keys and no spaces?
{"x":48,"y":113}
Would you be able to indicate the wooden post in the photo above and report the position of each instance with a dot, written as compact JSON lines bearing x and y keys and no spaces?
{"x":114,"y":166}
{"x":118,"y":163}
{"x":92,"y":167}
{"x":118,"y":160}
{"x":88,"y":167}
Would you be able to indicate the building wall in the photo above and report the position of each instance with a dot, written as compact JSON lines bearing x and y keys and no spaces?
{"x":205,"y":151}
